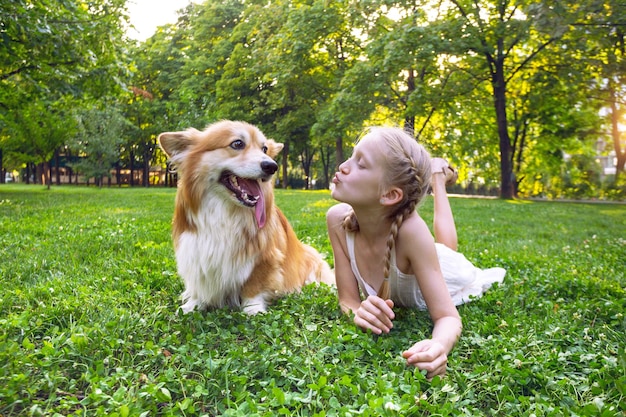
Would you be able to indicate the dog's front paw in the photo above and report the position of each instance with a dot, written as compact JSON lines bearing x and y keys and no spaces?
{"x":254,"y":305}
{"x":190,"y":306}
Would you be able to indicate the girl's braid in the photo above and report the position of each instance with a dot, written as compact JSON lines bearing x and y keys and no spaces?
{"x":404,"y":210}
{"x":350,"y":222}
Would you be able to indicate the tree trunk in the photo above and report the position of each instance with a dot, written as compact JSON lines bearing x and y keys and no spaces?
{"x":146,"y":169}
{"x":339,"y":152}
{"x":131,"y":180}
{"x":118,"y":174}
{"x":285,"y":164}
{"x":325,"y":157}
{"x":3,"y":176}
{"x":47,"y":174}
{"x":620,"y":153}
{"x":57,"y":161}
{"x":409,"y":120}
{"x":70,"y":172}
{"x":43,"y":174}
{"x":307,"y":157}
{"x":499,"y":95}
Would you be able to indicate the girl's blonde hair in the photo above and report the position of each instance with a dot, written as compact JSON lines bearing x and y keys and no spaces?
{"x":407,"y":166}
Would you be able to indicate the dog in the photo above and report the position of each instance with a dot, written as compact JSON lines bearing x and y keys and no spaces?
{"x":233,"y":245}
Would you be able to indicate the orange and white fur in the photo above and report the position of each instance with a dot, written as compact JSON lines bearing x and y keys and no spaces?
{"x":233,"y":246}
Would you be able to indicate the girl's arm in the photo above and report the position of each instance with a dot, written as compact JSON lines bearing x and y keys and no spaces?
{"x":374,"y":313}
{"x":347,"y":287}
{"x":416,"y":246}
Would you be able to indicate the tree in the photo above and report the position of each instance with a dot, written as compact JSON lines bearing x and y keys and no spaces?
{"x":508,"y":36}
{"x":73,"y":44}
{"x":500,"y":87}
{"x":302,"y":64}
{"x":209,"y":36}
{"x":99,"y":136}
{"x":53,"y":54}
{"x":602,"y":26}
{"x":281,"y":73}
{"x":36,"y":132}
{"x":430,"y":64}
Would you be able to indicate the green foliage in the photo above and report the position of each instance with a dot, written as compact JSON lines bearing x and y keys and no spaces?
{"x":100,"y":134}
{"x":502,"y":89}
{"x":37,"y":130}
{"x":54,"y":58}
{"x":89,"y":324}
{"x":60,"y":48}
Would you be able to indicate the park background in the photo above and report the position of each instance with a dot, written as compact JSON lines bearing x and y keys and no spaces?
{"x":526,"y":98}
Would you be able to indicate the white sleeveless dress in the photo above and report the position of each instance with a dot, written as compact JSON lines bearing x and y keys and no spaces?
{"x":464,"y":280}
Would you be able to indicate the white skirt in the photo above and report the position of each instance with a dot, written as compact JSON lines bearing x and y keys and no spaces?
{"x":464,"y":280}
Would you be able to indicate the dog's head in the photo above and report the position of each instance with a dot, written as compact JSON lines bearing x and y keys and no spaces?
{"x":231,"y":158}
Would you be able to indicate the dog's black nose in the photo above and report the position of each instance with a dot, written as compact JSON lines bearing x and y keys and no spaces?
{"x":269,"y":167}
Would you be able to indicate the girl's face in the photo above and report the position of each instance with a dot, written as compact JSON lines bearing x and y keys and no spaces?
{"x":359,"y":179}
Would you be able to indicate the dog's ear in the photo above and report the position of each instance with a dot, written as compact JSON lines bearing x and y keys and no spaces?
{"x":274,"y":148}
{"x":174,"y":143}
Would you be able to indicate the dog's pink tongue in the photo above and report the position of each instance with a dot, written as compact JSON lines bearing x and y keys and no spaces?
{"x":254,"y":189}
{"x":259,"y":210}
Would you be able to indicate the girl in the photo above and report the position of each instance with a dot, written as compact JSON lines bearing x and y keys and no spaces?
{"x":385,"y":251}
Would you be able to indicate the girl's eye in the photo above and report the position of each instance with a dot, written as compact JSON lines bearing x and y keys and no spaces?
{"x":238,"y":144}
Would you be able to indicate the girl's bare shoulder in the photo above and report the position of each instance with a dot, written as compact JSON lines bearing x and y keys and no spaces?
{"x":338,"y":212}
{"x":415,"y":230}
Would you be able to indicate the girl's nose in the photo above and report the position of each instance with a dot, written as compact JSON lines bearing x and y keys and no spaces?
{"x":343,"y":167}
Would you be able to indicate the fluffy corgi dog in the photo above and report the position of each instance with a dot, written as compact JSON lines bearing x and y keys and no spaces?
{"x":233,"y":246}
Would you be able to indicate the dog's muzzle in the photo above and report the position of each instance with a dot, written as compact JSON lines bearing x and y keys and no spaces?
{"x":247,"y":191}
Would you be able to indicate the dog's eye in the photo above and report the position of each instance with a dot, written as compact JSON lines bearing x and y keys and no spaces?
{"x":238,"y":144}
{"x":264,"y":149}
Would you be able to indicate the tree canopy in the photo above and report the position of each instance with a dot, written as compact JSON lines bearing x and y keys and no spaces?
{"x":54,"y":57}
{"x":516,"y":94}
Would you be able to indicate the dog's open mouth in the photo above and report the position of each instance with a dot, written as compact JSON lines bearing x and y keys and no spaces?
{"x":248,"y":192}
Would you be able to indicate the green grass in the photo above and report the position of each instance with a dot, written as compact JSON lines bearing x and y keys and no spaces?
{"x":88,"y":322}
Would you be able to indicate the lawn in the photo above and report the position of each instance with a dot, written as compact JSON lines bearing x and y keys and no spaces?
{"x":88,"y":322}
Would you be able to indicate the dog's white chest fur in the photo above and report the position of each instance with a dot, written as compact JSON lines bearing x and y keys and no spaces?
{"x":214,"y":263}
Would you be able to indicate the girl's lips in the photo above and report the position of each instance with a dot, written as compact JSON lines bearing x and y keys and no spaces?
{"x":336,"y":179}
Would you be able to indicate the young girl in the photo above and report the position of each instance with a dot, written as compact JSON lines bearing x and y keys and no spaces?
{"x":385,"y":251}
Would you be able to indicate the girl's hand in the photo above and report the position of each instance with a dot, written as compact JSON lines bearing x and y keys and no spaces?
{"x":429,"y":355}
{"x":375,"y":314}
